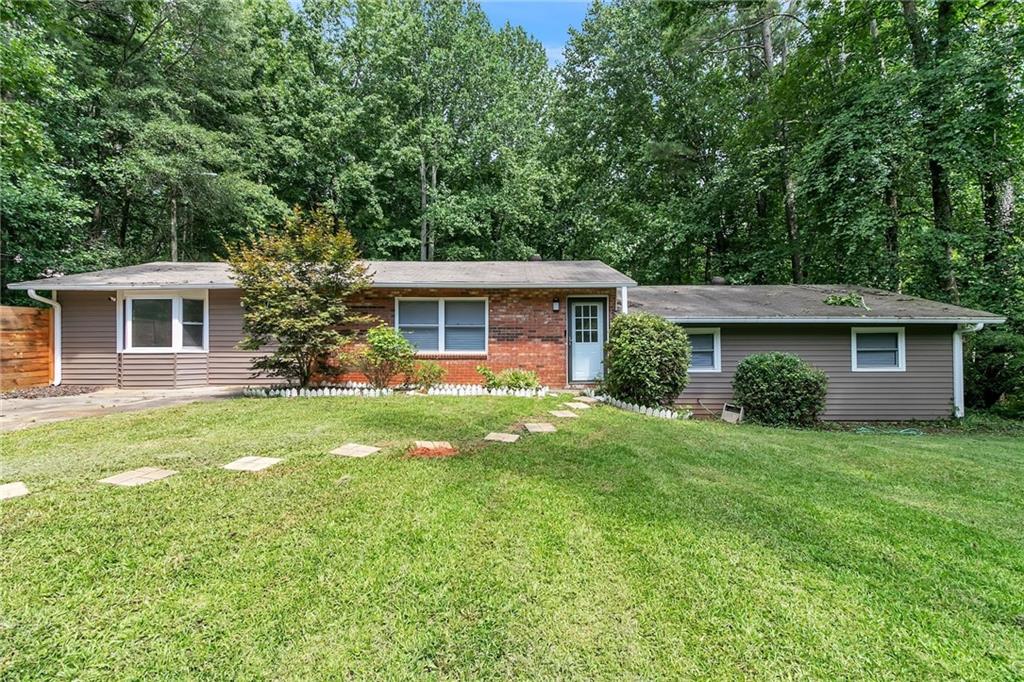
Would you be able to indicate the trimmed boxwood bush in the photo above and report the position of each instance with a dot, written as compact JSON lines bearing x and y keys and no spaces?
{"x":780,"y":389}
{"x":647,"y":360}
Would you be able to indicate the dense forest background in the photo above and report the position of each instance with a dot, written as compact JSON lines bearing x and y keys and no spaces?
{"x":851,"y":141}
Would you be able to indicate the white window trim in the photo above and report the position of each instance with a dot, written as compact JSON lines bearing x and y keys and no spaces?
{"x":901,"y":348}
{"x":717,"y":333}
{"x":124,"y":319}
{"x":440,"y":323}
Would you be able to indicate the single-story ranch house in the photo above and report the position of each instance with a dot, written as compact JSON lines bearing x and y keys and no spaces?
{"x":177,"y":325}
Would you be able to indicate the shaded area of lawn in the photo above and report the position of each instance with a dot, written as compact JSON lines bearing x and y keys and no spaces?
{"x":621,"y":545}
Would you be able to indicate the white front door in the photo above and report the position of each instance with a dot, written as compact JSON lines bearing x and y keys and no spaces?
{"x":586,"y":340}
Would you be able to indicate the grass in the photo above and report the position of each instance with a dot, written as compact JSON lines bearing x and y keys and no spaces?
{"x":621,"y":546}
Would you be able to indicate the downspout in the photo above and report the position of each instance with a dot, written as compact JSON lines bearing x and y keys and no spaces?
{"x":56,"y":331}
{"x":958,"y":365}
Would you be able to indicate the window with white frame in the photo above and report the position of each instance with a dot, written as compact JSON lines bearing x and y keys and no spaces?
{"x":164,"y":322}
{"x":706,"y":349}
{"x":878,"y":349}
{"x":443,"y":325}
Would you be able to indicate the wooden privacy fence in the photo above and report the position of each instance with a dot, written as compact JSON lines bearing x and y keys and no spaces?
{"x":26,"y":346}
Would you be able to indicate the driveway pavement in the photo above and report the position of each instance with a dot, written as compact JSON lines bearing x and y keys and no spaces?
{"x":21,"y":413}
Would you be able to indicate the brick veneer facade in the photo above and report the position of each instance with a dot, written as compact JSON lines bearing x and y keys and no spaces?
{"x":523,"y":331}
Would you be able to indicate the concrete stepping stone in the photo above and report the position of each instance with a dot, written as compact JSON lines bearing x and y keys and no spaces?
{"x":576,"y":406}
{"x":138,"y":476}
{"x":252,"y":463}
{"x":8,"y":491}
{"x":354,"y":450}
{"x":563,"y":414}
{"x":587,"y":399}
{"x":433,"y":445}
{"x":502,"y":437}
{"x":540,"y":427}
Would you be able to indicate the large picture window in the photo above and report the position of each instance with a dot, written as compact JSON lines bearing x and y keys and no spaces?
{"x":443,"y":325}
{"x":878,"y":349}
{"x":164,"y":322}
{"x":706,"y":349}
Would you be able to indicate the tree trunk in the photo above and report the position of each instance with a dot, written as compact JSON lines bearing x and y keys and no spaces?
{"x":122,"y":233}
{"x":433,"y":194}
{"x":174,"y":229}
{"x":892,"y":236}
{"x":423,"y":208}
{"x":942,"y":204}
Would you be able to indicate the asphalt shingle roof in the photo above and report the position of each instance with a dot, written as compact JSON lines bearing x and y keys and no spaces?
{"x":786,"y":303}
{"x":399,"y":274}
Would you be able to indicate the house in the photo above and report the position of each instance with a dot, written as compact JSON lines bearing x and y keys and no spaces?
{"x":178,"y":324}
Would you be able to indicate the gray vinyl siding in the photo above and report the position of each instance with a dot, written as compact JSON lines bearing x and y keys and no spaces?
{"x":88,"y":338}
{"x":163,"y":370}
{"x":228,"y":365}
{"x":923,"y":391}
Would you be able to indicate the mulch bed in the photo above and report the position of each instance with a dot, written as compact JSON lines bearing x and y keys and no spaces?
{"x":48,"y":392}
{"x":432,"y":452}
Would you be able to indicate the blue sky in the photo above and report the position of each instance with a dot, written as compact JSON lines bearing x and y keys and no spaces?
{"x":547,"y":20}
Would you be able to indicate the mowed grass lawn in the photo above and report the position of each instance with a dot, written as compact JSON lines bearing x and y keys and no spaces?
{"x":621,"y":546}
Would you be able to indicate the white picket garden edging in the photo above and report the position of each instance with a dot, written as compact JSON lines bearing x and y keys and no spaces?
{"x":658,"y":412}
{"x":363,"y":390}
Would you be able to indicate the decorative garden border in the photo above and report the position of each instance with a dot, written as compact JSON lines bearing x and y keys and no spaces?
{"x":363,"y":390}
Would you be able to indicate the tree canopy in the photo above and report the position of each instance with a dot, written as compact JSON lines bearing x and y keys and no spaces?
{"x":875,"y":143}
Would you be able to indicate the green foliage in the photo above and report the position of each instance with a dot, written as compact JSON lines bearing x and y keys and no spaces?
{"x":779,"y":389}
{"x":426,"y":375}
{"x":994,"y":369}
{"x":850,"y":300}
{"x":387,"y":355}
{"x":295,"y":284}
{"x":511,"y":379}
{"x":647,"y":359}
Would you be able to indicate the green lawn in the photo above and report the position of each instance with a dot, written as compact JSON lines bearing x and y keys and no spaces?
{"x":621,"y":546}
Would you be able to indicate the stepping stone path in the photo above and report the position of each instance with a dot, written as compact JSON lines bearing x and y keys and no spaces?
{"x":587,"y":399}
{"x":563,"y":414}
{"x":251,"y":463}
{"x":139,"y":476}
{"x":577,"y":406}
{"x":354,"y":450}
{"x":541,"y":427}
{"x":9,"y":491}
{"x":502,"y":437}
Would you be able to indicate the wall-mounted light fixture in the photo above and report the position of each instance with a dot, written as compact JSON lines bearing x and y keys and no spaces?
{"x":555,"y":305}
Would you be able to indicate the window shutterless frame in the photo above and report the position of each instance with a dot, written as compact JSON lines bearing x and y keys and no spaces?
{"x":441,"y":348}
{"x":125,"y":300}
{"x":716,"y":334}
{"x":901,"y":348}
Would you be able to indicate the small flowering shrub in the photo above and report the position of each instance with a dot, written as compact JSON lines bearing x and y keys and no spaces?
{"x":427,"y":375}
{"x":387,"y":355}
{"x":780,"y":389}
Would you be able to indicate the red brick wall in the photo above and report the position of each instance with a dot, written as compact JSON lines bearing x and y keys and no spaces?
{"x":523,"y":330}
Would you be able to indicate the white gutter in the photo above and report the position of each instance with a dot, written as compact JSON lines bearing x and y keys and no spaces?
{"x":832,"y":320}
{"x":56,"y":331}
{"x":958,"y":365}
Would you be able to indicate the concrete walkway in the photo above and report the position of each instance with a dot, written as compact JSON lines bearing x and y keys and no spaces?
{"x":21,"y":413}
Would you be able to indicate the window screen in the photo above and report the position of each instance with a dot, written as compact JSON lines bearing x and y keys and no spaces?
{"x":703,"y":345}
{"x":192,"y":323}
{"x":465,"y":325}
{"x":418,"y":323}
{"x":878,"y":350}
{"x":151,"y":323}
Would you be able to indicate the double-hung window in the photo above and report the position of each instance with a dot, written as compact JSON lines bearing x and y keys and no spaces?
{"x":443,"y":325}
{"x":706,"y":349}
{"x":878,"y":349}
{"x":164,"y":322}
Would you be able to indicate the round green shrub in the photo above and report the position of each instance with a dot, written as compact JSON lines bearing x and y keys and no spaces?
{"x":387,"y":354}
{"x":646,"y":361}
{"x":427,"y":375}
{"x":512,"y":379}
{"x":780,"y":389}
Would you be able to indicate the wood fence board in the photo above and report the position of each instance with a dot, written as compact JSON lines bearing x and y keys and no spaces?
{"x":26,"y":347}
